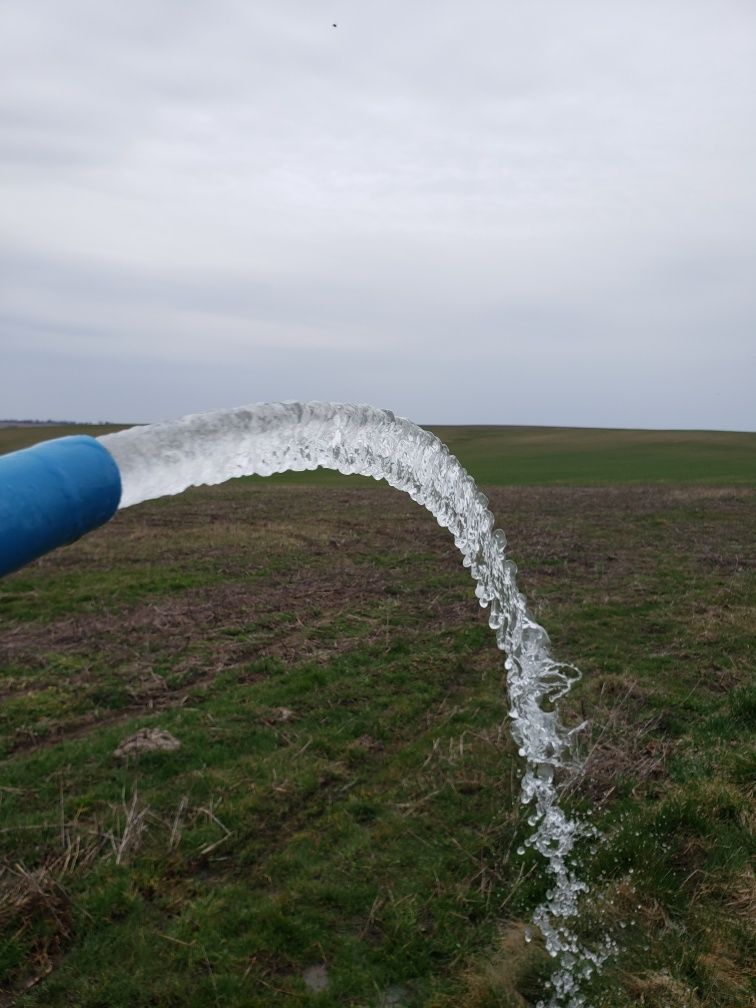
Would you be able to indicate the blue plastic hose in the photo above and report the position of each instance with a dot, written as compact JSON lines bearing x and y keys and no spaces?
{"x":53,"y":493}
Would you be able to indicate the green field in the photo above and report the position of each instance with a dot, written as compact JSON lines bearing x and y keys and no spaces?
{"x":538,"y":456}
{"x":502,"y":456}
{"x":343,"y":804}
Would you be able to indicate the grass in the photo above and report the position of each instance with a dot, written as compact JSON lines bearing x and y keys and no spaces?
{"x":16,"y":438}
{"x":501,"y":456}
{"x":543,"y":456}
{"x":345,"y":791}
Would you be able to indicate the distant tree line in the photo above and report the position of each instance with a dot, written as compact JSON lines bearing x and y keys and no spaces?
{"x":52,"y":423}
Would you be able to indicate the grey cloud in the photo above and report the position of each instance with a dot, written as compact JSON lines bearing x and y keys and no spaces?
{"x":528,"y":212}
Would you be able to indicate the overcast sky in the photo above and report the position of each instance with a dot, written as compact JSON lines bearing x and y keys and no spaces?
{"x":523,"y":212}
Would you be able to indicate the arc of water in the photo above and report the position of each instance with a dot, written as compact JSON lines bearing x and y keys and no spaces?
{"x":266,"y":438}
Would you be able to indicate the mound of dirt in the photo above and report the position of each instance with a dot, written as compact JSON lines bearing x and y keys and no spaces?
{"x":147,"y":740}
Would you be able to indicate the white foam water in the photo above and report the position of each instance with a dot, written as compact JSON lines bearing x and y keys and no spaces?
{"x":267,"y":438}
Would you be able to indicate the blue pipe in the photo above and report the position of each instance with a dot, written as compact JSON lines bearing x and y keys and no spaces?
{"x":52,"y":494}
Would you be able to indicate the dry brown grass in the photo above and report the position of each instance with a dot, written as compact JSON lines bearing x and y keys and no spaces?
{"x":29,"y":897}
{"x":497,"y":982}
{"x":660,"y":990}
{"x":622,"y":744}
{"x":742,"y":895}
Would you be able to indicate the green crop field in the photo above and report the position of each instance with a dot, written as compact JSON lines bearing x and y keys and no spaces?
{"x":501,"y":456}
{"x":339,"y":824}
{"x":537,"y":456}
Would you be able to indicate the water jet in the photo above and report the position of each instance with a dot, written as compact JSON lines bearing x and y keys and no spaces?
{"x":55,"y":492}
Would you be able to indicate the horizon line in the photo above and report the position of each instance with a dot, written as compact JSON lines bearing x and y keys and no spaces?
{"x":29,"y":422}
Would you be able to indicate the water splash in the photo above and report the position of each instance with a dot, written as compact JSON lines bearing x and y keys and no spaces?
{"x":266,"y":438}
